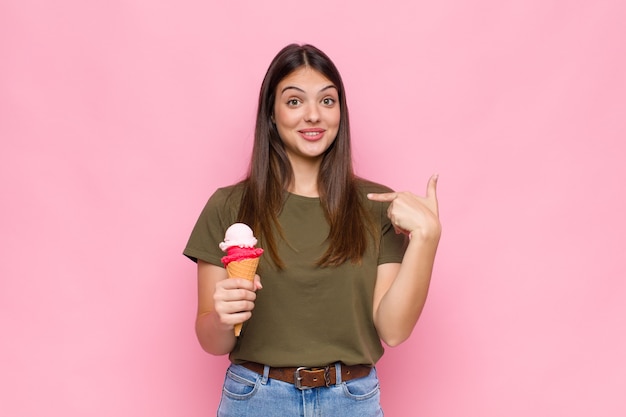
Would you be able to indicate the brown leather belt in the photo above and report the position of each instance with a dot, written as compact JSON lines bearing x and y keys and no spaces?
{"x":311,"y":377}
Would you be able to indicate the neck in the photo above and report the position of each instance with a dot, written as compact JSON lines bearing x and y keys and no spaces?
{"x":304,"y":181}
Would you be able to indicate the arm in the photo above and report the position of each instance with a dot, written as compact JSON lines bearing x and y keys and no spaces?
{"x":401,"y":289}
{"x":222,"y":302}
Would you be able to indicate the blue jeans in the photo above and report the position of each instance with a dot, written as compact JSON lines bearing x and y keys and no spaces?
{"x":248,"y":394}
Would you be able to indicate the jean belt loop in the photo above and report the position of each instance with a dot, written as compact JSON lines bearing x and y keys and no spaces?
{"x":266,"y":373}
{"x":338,"y":373}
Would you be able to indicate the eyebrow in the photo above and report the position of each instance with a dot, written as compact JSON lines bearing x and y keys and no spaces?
{"x":293,"y":87}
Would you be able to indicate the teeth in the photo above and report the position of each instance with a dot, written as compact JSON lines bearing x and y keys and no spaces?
{"x":311,"y":133}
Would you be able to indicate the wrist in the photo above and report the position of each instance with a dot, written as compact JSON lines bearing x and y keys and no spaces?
{"x":423,"y":236}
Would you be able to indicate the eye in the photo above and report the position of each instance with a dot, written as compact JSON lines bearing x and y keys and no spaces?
{"x":328,"y":101}
{"x":292,"y":102}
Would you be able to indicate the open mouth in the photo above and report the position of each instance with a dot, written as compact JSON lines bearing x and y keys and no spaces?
{"x":312,"y":134}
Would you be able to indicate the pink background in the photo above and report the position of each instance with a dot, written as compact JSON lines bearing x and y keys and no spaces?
{"x":119,"y":118}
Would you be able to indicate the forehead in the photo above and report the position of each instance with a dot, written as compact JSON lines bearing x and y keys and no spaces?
{"x":305,"y":77}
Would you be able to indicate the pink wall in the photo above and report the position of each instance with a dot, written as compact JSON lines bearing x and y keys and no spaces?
{"x":118,"y":119}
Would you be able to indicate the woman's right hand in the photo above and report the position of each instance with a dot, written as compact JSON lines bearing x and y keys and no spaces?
{"x":222,"y":303}
{"x":234,"y":299}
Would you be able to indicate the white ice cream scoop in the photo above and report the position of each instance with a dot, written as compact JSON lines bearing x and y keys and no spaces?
{"x":238,"y":234}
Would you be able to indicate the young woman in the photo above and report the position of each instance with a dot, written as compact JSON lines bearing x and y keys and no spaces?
{"x":347,"y":262}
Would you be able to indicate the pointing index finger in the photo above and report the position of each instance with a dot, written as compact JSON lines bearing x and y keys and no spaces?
{"x":382,"y":196}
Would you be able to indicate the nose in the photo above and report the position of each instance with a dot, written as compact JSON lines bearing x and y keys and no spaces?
{"x":312,"y":114}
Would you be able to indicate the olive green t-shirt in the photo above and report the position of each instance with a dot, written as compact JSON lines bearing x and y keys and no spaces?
{"x":305,"y":315}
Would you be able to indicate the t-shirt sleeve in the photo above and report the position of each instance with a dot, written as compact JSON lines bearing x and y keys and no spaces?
{"x":392,"y":244}
{"x":216,"y":216}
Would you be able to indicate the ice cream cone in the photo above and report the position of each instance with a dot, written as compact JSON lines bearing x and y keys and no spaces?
{"x":243,"y":257}
{"x":245,"y":268}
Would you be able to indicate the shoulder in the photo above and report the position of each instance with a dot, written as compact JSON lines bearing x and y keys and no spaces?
{"x":224,"y":202}
{"x":367,"y":186}
{"x":377,"y":208}
{"x":229,"y":194}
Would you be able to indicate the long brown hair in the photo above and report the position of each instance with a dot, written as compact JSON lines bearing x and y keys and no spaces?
{"x":270,"y":171}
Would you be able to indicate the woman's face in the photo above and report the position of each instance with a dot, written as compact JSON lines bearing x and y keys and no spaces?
{"x":306,"y":114}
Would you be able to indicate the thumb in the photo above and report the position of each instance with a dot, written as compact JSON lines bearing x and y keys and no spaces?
{"x":257,"y":282}
{"x":431,"y":189}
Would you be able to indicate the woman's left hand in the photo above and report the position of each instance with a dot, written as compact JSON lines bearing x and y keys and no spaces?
{"x":413,"y":215}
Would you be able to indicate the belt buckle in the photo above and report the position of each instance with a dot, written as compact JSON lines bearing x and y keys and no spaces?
{"x":298,"y":379}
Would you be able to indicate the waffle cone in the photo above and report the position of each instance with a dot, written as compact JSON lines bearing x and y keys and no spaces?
{"x":245,"y":268}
